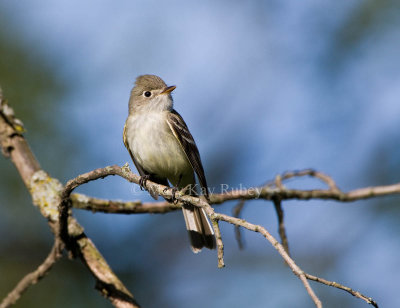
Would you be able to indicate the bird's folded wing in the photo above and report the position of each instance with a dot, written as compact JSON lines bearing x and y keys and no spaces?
{"x":186,"y":141}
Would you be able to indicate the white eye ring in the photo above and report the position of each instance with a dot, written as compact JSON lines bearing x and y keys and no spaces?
{"x":147,"y":93}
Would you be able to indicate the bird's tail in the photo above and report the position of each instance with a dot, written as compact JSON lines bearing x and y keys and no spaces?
{"x":201,"y":233}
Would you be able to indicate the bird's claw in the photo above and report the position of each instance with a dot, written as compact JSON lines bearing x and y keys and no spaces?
{"x":142,"y":181}
{"x":173,"y":192}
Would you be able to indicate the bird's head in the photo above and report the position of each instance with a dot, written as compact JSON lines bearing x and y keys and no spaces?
{"x":151,"y":93}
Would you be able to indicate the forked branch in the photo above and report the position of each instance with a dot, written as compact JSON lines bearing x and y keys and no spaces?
{"x":266,"y":191}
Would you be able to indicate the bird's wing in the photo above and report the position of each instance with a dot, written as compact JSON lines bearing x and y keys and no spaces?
{"x":186,"y":141}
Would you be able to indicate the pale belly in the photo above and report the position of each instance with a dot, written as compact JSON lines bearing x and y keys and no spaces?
{"x":156,"y":149}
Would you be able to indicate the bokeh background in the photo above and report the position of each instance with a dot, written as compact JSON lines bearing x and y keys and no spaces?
{"x":265,"y":87}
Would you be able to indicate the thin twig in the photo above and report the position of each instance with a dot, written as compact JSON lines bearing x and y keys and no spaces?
{"x":281,"y":224}
{"x":236,"y":211}
{"x":33,"y":277}
{"x":369,"y":300}
{"x":281,"y":250}
{"x":300,"y":173}
{"x":313,"y":173}
{"x":220,"y":244}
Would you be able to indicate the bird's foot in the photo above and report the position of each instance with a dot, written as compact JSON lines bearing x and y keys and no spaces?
{"x":173,"y":192}
{"x":142,"y":181}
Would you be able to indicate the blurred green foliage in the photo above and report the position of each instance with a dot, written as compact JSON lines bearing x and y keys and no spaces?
{"x":33,"y":88}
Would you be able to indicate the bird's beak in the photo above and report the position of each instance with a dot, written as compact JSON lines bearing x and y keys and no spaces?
{"x":168,"y":90}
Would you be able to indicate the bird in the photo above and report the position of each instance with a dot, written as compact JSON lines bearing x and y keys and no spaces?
{"x":164,"y":151}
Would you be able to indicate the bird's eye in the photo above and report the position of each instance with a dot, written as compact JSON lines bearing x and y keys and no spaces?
{"x":147,"y":93}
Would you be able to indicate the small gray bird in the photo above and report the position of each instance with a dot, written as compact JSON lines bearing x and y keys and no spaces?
{"x":163,"y":150}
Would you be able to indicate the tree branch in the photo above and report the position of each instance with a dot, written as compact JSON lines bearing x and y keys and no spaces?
{"x":266,"y":191}
{"x":13,"y":143}
{"x":83,"y":202}
{"x":46,"y":193}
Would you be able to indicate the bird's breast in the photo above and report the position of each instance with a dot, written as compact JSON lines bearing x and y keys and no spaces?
{"x":154,"y":146}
